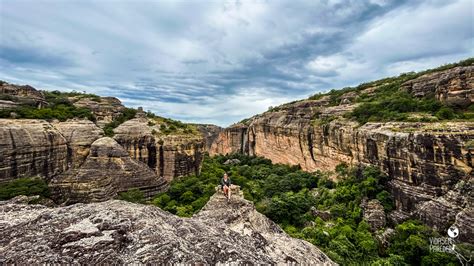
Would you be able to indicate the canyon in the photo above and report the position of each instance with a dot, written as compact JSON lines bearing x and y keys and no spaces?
{"x":430,"y":164}
{"x":88,"y":161}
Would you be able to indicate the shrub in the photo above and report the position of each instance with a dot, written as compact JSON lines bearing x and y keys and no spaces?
{"x":132,"y":195}
{"x":445,"y":113}
{"x":24,"y":186}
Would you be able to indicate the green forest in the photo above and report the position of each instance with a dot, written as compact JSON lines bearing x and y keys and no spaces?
{"x":287,"y":195}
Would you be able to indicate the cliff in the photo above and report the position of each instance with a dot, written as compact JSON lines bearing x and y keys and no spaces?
{"x":427,"y":162}
{"x":169,"y":155}
{"x":62,"y":150}
{"x":29,"y":148}
{"x":118,"y":232}
{"x":107,"y":171}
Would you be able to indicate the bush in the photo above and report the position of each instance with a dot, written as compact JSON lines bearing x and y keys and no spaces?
{"x":24,"y":186}
{"x":133,"y":195}
{"x":445,"y":113}
{"x":127,"y":114}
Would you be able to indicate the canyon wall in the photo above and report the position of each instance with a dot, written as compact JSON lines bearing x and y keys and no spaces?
{"x":170,"y":156}
{"x":31,"y":148}
{"x":78,"y":164}
{"x":107,"y":171}
{"x":430,"y":164}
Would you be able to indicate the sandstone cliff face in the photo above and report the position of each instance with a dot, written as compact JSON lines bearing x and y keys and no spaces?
{"x":169,"y":155}
{"x":106,"y":109}
{"x":118,"y":232}
{"x":31,"y":148}
{"x":107,"y":171}
{"x":426,"y":161}
{"x":79,"y":134}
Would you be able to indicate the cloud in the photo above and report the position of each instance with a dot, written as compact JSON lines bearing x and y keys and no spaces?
{"x":221,"y":61}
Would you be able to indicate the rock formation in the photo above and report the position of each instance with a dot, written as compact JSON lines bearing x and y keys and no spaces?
{"x":79,"y":134}
{"x":105,"y":109}
{"x":425,"y":160}
{"x":15,"y":94}
{"x":373,"y":214}
{"x":170,"y":155}
{"x":454,"y":86}
{"x":107,"y":171}
{"x":31,"y":148}
{"x":118,"y":232}
{"x":209,"y":132}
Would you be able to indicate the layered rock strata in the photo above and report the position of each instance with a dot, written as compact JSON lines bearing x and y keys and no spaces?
{"x":425,"y":161}
{"x":107,"y":171}
{"x":453,"y":86}
{"x":16,"y":94}
{"x":79,"y":134}
{"x":31,"y":148}
{"x":169,"y":156}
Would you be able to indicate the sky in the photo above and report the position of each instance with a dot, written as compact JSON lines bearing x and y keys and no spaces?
{"x":219,"y":62}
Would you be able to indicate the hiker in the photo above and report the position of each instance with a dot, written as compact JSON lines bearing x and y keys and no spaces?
{"x":225,"y":186}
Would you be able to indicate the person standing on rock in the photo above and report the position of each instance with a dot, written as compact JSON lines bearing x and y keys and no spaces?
{"x":225,"y":186}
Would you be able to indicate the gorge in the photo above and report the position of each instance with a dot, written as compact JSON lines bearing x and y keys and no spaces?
{"x":416,"y":129}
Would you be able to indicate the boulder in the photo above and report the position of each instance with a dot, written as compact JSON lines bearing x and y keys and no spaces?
{"x":373,"y":214}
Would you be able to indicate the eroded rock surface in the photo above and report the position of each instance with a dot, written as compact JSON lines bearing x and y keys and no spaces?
{"x":30,"y":147}
{"x":20,"y":94}
{"x":79,"y":134}
{"x":114,"y":232}
{"x":169,"y":156}
{"x":453,"y":86}
{"x":373,"y":214}
{"x":105,"y":109}
{"x":107,"y":171}
{"x":424,"y":160}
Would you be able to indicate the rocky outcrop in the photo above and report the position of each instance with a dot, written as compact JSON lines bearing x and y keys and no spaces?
{"x":17,"y":94}
{"x":453,"y":86}
{"x":107,"y":171}
{"x":79,"y":134}
{"x":31,"y":148}
{"x":373,"y":214}
{"x":117,"y":232}
{"x":105,"y":109}
{"x":170,"y":156}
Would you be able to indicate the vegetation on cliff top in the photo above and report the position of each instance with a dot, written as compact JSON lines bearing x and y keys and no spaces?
{"x":290,"y":197}
{"x":59,"y":107}
{"x":386,"y":102}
